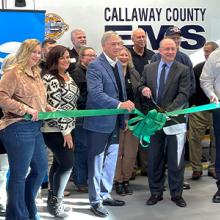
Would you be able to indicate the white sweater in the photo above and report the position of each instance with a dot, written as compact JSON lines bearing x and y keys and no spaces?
{"x":210,"y":77}
{"x":61,"y":98}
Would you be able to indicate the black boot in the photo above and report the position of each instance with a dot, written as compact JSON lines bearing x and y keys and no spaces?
{"x":216,"y":197}
{"x":127,"y":187}
{"x":119,"y":189}
{"x":56,"y":207}
{"x":49,"y":196}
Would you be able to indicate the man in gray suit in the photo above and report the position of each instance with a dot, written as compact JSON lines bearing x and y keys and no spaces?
{"x":166,"y":83}
{"x":106,"y":89}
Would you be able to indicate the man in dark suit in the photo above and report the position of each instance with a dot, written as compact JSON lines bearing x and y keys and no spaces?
{"x":106,"y":89}
{"x":166,"y":82}
{"x":174,"y":33}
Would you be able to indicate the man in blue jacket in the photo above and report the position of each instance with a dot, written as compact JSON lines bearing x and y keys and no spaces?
{"x":106,"y":90}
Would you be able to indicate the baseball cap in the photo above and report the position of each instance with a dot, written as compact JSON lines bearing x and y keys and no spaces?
{"x":172,"y":30}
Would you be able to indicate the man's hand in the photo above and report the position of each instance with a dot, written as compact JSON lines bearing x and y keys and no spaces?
{"x":127,"y":105}
{"x":214,"y":99}
{"x":146,"y":92}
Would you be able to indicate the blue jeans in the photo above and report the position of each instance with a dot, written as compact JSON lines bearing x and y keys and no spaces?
{"x":81,"y":156}
{"x":102,"y":158}
{"x":25,"y":147}
{"x":216,"y":125}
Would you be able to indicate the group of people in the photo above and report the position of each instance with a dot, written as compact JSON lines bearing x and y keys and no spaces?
{"x":100,"y":149}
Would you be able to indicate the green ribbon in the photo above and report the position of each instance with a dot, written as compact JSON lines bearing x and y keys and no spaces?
{"x":194,"y":109}
{"x":142,"y":126}
{"x":78,"y":113}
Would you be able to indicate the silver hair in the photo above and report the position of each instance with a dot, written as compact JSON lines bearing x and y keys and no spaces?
{"x":74,"y":31}
{"x":107,"y":35}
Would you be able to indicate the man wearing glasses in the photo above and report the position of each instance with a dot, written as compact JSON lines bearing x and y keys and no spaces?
{"x":80,"y":174}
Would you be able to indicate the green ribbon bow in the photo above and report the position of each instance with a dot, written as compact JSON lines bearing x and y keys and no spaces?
{"x":143,"y":126}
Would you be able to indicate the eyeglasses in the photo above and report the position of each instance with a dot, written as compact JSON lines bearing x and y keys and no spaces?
{"x":90,"y":55}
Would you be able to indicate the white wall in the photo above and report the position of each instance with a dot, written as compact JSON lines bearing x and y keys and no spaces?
{"x":89,"y":14}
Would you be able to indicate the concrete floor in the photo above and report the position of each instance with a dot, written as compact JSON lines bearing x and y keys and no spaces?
{"x":198,"y":198}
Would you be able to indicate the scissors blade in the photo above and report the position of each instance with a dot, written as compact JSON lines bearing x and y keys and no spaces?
{"x":162,"y":110}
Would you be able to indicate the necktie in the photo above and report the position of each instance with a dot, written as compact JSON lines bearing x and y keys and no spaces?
{"x":161,"y":84}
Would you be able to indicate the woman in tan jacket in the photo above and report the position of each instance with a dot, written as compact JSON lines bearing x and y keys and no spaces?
{"x":22,"y":91}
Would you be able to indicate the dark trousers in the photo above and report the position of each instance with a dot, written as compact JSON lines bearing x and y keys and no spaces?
{"x":216,"y":125}
{"x":102,"y":158}
{"x":2,"y":148}
{"x":25,"y":147}
{"x":160,"y":146}
{"x":62,"y":164}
